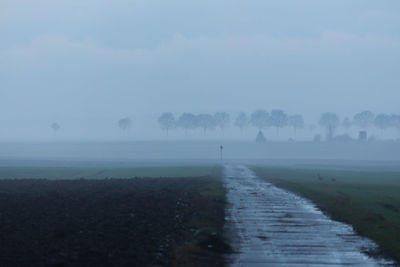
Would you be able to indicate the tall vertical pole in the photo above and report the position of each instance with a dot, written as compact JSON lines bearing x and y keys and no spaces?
{"x":221,"y":148}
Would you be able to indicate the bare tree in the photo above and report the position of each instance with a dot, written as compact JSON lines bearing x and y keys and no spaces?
{"x":330,"y":121}
{"x":278,"y":119}
{"x":395,"y":121}
{"x":296,"y":122}
{"x":382,"y":121}
{"x":124,"y":123}
{"x":55,"y":126}
{"x":167,"y":121}
{"x":187,"y":121}
{"x":222,"y":120}
{"x":241,"y":121}
{"x":364,"y":119}
{"x":206,"y":121}
{"x":260,"y":119}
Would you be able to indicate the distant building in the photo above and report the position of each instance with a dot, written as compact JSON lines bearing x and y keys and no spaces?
{"x":260,"y":137}
{"x":362,"y":136}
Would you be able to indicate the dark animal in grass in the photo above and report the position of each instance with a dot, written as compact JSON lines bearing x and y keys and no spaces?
{"x":320,"y":177}
{"x":389,"y":207}
{"x":333,"y":179}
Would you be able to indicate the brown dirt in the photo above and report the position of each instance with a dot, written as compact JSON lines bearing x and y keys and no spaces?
{"x":111,"y":222}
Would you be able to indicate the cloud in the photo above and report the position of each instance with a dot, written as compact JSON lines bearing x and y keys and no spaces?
{"x":47,"y":49}
{"x":203,"y":67}
{"x":111,"y":59}
{"x":102,"y":58}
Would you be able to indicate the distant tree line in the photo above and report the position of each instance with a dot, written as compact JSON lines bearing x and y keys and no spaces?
{"x":188,"y":121}
{"x":362,"y":121}
{"x":260,"y":119}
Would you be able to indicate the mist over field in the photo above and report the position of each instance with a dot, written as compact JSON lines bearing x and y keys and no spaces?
{"x":199,"y":152}
{"x":85,"y":65}
{"x":199,"y":133}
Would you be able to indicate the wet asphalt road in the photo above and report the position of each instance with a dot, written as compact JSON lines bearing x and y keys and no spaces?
{"x":268,"y":226}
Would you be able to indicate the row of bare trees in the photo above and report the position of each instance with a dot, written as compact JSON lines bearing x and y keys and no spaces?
{"x":262,"y":119}
{"x":189,"y":121}
{"x":277,"y":118}
{"x":362,"y":120}
{"x":259,"y":119}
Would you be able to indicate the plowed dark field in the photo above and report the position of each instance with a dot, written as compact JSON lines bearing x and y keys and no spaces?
{"x":112,"y":222}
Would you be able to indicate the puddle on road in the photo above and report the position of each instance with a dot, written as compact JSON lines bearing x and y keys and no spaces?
{"x":268,"y":226}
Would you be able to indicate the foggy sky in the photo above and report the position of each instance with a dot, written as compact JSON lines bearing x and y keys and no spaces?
{"x":103,"y":60}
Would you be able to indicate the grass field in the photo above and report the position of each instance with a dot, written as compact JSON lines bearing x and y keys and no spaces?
{"x":103,"y":171}
{"x":368,"y":200}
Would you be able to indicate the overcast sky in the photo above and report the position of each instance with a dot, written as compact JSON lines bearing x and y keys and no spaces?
{"x":108,"y":59}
